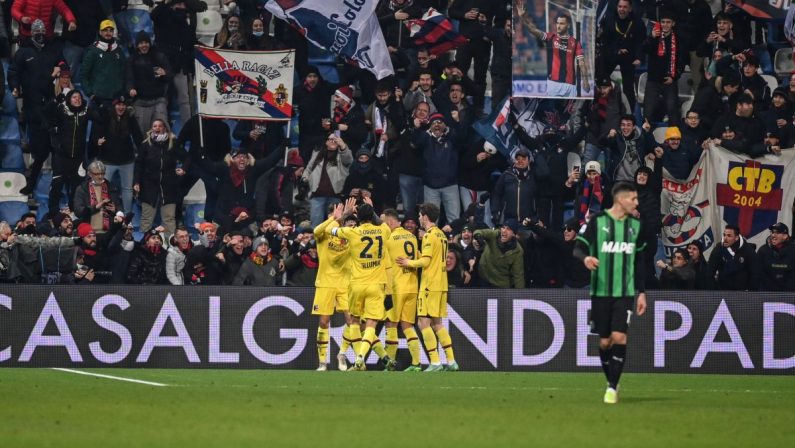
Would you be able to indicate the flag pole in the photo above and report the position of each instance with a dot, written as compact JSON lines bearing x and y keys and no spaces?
{"x":201,"y":134}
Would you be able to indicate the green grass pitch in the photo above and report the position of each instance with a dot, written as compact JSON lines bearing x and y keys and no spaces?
{"x":233,"y":408}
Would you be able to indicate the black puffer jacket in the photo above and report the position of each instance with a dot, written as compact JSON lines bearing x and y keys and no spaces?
{"x":122,"y":136}
{"x":141,"y":74}
{"x":147,"y":268}
{"x":514,"y":196}
{"x":155,"y":171}
{"x":67,"y":126}
{"x":775,"y":267}
{"x":30,"y":71}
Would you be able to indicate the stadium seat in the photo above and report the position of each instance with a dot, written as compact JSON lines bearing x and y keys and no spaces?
{"x":208,"y":23}
{"x":12,"y":204}
{"x":194,"y":207}
{"x":659,"y":133}
{"x":641,"y":93}
{"x":685,"y":85}
{"x":782,"y":62}
{"x":771,"y":81}
{"x":686,"y":106}
{"x":131,"y":21}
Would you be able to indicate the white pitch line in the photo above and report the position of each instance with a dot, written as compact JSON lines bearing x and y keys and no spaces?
{"x":111,"y":377}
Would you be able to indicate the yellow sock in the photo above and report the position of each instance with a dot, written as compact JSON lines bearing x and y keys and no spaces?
{"x":356,"y":337}
{"x":322,"y":344}
{"x":429,"y":339}
{"x":367,"y":341}
{"x":391,"y":342}
{"x":446,"y":343}
{"x":346,"y":339}
{"x":414,"y":345}
{"x":378,"y":348}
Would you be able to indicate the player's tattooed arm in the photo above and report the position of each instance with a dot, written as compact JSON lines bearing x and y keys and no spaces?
{"x":526,"y":20}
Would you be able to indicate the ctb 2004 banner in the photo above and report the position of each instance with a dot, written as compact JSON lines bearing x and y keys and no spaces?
{"x":506,"y":330}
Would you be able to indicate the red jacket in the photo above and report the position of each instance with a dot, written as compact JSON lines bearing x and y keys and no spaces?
{"x":40,"y":9}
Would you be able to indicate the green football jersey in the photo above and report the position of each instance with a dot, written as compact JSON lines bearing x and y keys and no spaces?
{"x":615,"y":244}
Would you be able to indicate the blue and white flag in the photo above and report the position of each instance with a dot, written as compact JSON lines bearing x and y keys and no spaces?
{"x":348,"y":28}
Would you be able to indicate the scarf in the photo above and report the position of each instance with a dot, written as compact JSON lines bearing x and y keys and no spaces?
{"x":94,"y":200}
{"x":341,"y":111}
{"x":521,"y":174}
{"x":394,"y":6}
{"x":154,"y":250}
{"x":308,"y":261}
{"x":237,"y":176}
{"x":260,"y":260}
{"x":600,"y":108}
{"x":197,"y":278}
{"x":107,"y":46}
{"x":160,"y":138}
{"x":661,"y":53}
{"x":379,"y":127}
{"x":89,"y":252}
{"x":591,"y":199}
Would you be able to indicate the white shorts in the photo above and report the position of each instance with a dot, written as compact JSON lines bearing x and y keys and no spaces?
{"x":561,"y":89}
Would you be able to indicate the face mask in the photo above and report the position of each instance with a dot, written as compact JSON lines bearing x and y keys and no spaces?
{"x":232,"y":29}
{"x":258,"y":33}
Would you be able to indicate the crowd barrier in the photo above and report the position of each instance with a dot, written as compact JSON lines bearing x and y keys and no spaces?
{"x":492,"y":330}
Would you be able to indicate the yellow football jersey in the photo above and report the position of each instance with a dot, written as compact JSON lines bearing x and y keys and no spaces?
{"x":434,"y":246}
{"x":402,"y":243}
{"x":333,"y":254}
{"x":368,"y":257}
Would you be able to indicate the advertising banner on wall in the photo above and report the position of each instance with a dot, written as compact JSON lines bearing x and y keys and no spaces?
{"x":492,"y":330}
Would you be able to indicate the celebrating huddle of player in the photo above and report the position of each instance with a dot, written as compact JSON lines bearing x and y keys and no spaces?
{"x":369,"y":271}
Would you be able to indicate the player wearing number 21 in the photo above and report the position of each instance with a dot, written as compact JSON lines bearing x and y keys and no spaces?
{"x":432,"y":299}
{"x":369,"y":262}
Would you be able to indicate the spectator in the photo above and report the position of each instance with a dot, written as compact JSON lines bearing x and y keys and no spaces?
{"x":693,"y":132}
{"x":408,"y":159}
{"x":439,"y":146}
{"x":721,"y":39}
{"x":217,"y":144}
{"x":260,"y":137}
{"x":365,"y":178}
{"x":25,"y":12}
{"x":751,"y":82}
{"x":237,"y":175}
{"x":158,"y":170}
{"x":621,"y":36}
{"x":591,"y":199}
{"x":717,"y":98}
{"x":325,"y":175}
{"x":179,"y":246}
{"x":148,"y":75}
{"x":479,"y":161}
{"x":778,"y":117}
{"x":232,"y":257}
{"x":302,"y":265}
{"x":648,"y":182}
{"x":232,"y":35}
{"x":148,"y":263}
{"x":502,"y":263}
{"x":175,"y":37}
{"x":96,"y":248}
{"x":62,"y":225}
{"x":280,"y":188}
{"x":679,"y":156}
{"x":775,"y":261}
{"x":117,"y":138}
{"x":120,"y":251}
{"x":693,"y":16}
{"x":458,"y":275}
{"x":261,"y":268}
{"x":501,"y":37}
{"x":88,"y":14}
{"x":96,"y":200}
{"x":626,"y":149}
{"x":348,"y":118}
{"x":104,"y":67}
{"x":30,"y":75}
{"x":67,"y":126}
{"x":450,"y":101}
{"x":731,"y":263}
{"x":749,"y":131}
{"x":667,"y":58}
{"x":259,"y":40}
{"x":679,"y":274}
{"x":695,"y":252}
{"x":514,"y":195}
{"x":311,"y":104}
{"x":420,"y":91}
{"x":475,"y":22}
{"x":605,"y":113}
{"x":386,"y":118}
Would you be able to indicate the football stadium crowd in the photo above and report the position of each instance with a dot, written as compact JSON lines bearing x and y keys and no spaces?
{"x":96,"y":103}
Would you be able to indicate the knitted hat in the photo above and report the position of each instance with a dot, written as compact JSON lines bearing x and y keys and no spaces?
{"x":65,"y":70}
{"x":59,"y":219}
{"x":121,"y":99}
{"x":437,"y":116}
{"x":260,"y":241}
{"x":512,"y":224}
{"x":107,"y":23}
{"x":310,"y":69}
{"x":142,"y":36}
{"x":294,"y":159}
{"x":672,"y":132}
{"x":84,"y":229}
{"x":38,"y":27}
{"x":346,"y":93}
{"x":238,"y":151}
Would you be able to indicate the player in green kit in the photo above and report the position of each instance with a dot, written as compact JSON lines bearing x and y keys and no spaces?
{"x":608,"y":248}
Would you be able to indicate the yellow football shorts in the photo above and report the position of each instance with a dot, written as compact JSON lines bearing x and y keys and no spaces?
{"x":329,"y":299}
{"x":404,"y":308}
{"x":432,"y":304}
{"x":367,"y":301}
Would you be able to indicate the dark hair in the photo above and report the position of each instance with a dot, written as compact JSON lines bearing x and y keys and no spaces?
{"x":424,"y":71}
{"x":430,"y":210}
{"x":365,"y":212}
{"x":629,"y":117}
{"x":745,"y":99}
{"x":391,"y":212}
{"x":563,"y":15}
{"x":682,"y":252}
{"x":730,"y":79}
{"x":383,"y":86}
{"x":456,"y":83}
{"x":733,"y":228}
{"x":723,"y":16}
{"x":623,"y":187}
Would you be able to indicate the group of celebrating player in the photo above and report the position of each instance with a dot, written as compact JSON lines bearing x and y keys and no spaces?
{"x":369,"y":270}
